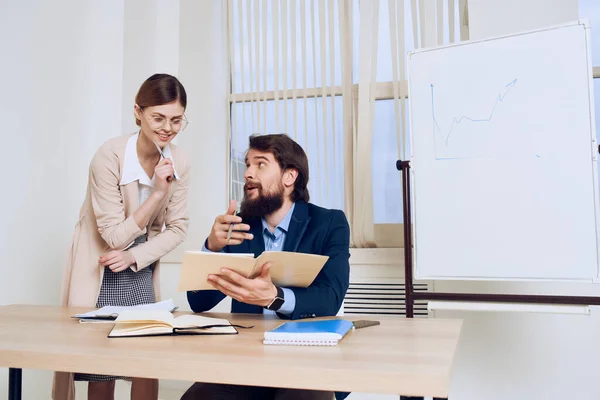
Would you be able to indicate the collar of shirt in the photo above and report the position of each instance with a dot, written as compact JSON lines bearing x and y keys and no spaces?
{"x":283,"y":226}
{"x":133,"y":170}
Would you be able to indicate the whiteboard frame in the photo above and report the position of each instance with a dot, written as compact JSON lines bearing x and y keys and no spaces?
{"x":594,"y":150}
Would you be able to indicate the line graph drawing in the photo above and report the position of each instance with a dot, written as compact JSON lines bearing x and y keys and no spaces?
{"x":442,"y":137}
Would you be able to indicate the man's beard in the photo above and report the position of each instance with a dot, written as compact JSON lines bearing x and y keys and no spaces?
{"x":263,"y":204}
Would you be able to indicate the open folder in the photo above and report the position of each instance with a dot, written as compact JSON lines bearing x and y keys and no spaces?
{"x":288,"y":269}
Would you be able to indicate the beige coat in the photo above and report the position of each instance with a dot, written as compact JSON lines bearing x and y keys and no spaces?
{"x":106,"y":222}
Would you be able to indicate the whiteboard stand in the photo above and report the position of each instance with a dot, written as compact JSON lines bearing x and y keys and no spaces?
{"x":411,"y":296}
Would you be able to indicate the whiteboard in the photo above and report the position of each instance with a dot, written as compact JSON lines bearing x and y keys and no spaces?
{"x":503,"y":156}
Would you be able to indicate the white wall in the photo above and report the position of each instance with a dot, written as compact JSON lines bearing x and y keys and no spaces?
{"x":523,"y":356}
{"x":150,"y":45}
{"x":61,"y":97}
{"x":500,"y":17}
{"x":70,"y":71}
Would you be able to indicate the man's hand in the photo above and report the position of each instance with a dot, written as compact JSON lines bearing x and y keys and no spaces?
{"x":218,"y":234}
{"x":117,"y":260}
{"x":259,"y":291}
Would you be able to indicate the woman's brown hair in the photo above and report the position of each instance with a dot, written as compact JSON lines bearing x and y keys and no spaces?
{"x":160,"y":89}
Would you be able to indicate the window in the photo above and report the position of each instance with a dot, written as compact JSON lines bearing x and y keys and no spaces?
{"x":325,"y":155}
{"x":295,"y":68}
{"x":387,"y":185}
{"x":386,"y":150}
{"x":282,"y":65}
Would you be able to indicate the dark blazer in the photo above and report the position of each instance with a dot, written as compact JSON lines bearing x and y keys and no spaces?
{"x":312,"y":230}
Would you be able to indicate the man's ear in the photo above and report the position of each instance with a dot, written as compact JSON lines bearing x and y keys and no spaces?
{"x":289,"y":177}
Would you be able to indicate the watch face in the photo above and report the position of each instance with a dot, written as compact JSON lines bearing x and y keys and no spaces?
{"x":277,"y":301}
{"x":276,"y":304}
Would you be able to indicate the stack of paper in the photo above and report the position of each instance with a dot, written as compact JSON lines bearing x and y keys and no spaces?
{"x":110,"y":313}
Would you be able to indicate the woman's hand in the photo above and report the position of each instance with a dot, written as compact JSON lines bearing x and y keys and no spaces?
{"x":163,"y":175}
{"x":117,"y":260}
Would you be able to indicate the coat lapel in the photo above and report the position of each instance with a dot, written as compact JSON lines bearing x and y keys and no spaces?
{"x":257,"y":245}
{"x":298,"y":224}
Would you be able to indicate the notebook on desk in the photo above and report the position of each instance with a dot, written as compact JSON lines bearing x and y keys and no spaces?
{"x":135,"y":323}
{"x":309,"y":333}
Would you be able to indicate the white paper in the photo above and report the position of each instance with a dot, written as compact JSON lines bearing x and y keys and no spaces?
{"x":113,"y":311}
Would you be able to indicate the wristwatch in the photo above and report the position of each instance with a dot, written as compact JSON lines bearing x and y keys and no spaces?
{"x":277,"y":301}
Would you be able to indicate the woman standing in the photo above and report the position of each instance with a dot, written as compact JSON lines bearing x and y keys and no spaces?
{"x":137,"y":184}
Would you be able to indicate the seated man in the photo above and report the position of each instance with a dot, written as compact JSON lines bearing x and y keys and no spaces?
{"x":275,"y":215}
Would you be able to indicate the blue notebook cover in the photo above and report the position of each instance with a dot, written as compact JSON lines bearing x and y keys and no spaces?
{"x":309,"y":333}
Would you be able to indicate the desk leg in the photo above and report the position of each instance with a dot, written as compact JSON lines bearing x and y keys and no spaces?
{"x":15,"y":377}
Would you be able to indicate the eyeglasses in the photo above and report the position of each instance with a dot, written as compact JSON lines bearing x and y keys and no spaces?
{"x":159,"y":122}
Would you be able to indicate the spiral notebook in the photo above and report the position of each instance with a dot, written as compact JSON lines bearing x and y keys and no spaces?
{"x":309,"y":333}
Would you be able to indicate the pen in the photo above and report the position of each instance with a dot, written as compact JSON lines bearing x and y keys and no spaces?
{"x":230,"y":229}
{"x":229,"y":232}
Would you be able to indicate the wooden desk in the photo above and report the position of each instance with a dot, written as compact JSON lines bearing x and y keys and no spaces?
{"x":400,"y":356}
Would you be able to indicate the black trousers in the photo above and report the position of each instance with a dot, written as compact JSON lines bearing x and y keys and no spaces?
{"x":214,"y":391}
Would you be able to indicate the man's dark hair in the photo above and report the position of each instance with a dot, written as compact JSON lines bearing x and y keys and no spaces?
{"x":289,"y":155}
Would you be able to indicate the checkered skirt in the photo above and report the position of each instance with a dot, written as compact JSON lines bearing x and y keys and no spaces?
{"x":125,"y":288}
